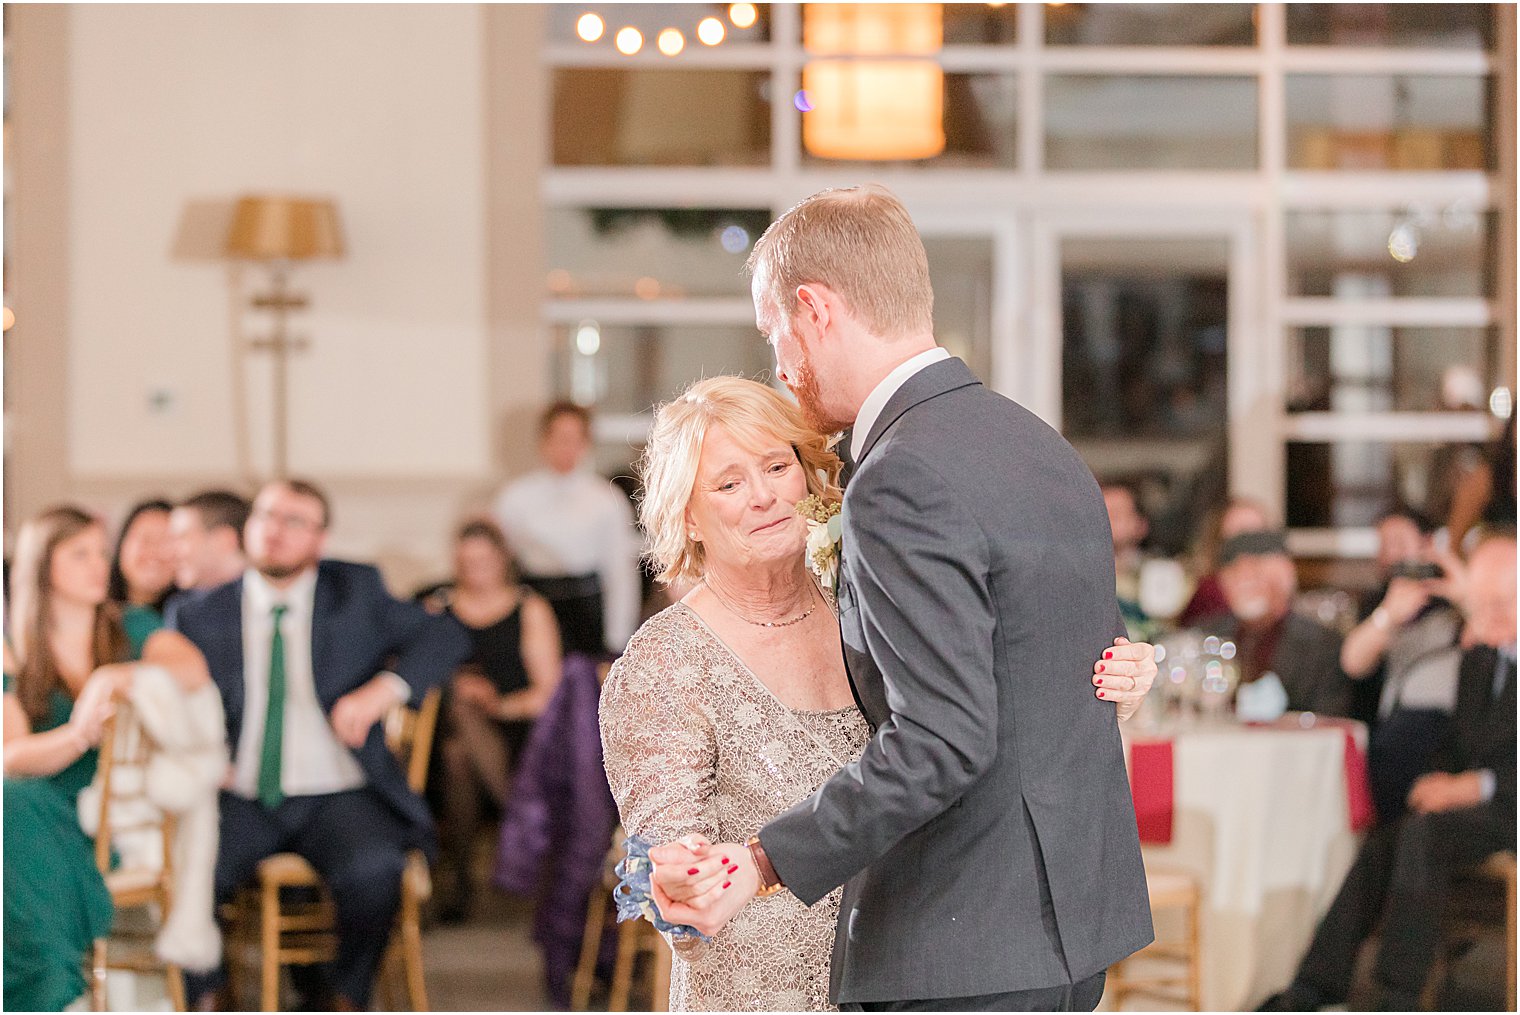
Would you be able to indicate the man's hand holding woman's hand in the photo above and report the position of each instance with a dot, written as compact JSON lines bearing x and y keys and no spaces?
{"x":702,"y":884}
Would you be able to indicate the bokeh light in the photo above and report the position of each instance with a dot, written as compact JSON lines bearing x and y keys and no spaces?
{"x":734,"y":239}
{"x":742,"y":15}
{"x":671,"y":41}
{"x":710,"y":31}
{"x":590,"y":27}
{"x":629,"y":40}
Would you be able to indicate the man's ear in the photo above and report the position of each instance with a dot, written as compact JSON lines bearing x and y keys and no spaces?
{"x":813,"y":301}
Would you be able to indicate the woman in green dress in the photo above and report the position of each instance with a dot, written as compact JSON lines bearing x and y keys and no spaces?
{"x":68,"y":659}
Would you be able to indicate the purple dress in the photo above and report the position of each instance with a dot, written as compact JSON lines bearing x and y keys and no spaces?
{"x":560,"y":807}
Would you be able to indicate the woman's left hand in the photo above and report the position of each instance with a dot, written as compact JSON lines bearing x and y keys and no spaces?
{"x":1125,"y":674}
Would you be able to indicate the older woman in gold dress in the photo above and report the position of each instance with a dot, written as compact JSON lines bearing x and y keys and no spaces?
{"x":733,"y":704}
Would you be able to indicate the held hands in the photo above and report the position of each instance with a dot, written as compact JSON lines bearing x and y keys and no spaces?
{"x":701,"y":884}
{"x":358,"y":710}
{"x":1124,"y":675}
{"x":1437,"y":792}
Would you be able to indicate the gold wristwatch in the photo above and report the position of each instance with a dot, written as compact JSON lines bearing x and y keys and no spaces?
{"x":770,"y":883}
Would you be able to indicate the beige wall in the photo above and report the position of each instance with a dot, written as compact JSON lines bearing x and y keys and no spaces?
{"x":164,"y":114}
{"x":380,"y":107}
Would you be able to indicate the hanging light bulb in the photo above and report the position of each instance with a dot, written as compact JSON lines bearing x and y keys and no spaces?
{"x":629,"y":40}
{"x":710,"y":31}
{"x":671,"y":41}
{"x":590,"y":27}
{"x":742,"y":15}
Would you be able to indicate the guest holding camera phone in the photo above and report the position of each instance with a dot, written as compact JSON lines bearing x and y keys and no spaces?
{"x":1405,"y":655}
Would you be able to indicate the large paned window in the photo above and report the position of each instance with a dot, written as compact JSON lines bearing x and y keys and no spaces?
{"x":1346,"y":349}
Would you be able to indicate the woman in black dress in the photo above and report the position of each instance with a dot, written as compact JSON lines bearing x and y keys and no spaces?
{"x":493,"y":699}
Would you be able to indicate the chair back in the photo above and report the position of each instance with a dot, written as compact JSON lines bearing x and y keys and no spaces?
{"x":409,"y":735}
{"x":125,"y":750}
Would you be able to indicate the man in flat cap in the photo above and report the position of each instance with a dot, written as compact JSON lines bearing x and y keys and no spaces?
{"x":1258,"y":580}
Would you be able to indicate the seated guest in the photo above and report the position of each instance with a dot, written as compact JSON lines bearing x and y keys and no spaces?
{"x":309,"y":655}
{"x":1403,"y":537}
{"x":512,"y":672}
{"x":142,"y":572}
{"x":574,"y":536}
{"x":1258,"y":581}
{"x":72,"y":661}
{"x":207,"y":535}
{"x":1405,"y":654}
{"x":1460,"y":812}
{"x":1241,"y":514}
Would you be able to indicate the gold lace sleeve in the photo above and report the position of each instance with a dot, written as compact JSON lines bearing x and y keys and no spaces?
{"x":659,"y":746}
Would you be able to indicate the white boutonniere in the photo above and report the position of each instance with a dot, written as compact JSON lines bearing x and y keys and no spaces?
{"x":824,"y":526}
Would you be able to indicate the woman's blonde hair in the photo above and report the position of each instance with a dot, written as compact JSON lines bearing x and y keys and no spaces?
{"x":751,"y":413}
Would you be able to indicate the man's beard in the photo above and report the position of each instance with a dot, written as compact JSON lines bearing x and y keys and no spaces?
{"x":279,"y":572}
{"x":810,"y":399}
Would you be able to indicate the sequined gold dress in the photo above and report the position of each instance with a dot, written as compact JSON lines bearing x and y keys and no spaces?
{"x":694,"y":742}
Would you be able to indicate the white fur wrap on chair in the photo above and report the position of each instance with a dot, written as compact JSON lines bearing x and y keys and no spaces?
{"x":182,"y":777}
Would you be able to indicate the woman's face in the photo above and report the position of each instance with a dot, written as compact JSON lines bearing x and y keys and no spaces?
{"x":147,"y":556}
{"x":478,"y":565}
{"x":80,"y":570}
{"x":743,"y":508}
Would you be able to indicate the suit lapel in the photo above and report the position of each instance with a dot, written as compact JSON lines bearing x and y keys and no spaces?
{"x":933,"y":380}
{"x":223,"y":647}
{"x":323,"y":618}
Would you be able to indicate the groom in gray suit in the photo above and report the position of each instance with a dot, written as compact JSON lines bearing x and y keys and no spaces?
{"x":987,"y":834}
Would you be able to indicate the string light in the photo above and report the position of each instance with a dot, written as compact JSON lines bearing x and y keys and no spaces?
{"x":671,"y":41}
{"x":710,"y":31}
{"x":590,"y":27}
{"x":629,"y":40}
{"x":742,"y":15}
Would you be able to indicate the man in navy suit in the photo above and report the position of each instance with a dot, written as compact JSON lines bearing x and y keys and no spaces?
{"x":309,"y":655}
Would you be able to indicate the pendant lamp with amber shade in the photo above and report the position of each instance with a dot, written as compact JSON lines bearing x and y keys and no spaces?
{"x":879,"y":96}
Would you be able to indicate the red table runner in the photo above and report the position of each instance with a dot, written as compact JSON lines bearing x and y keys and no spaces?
{"x":1150,"y":782}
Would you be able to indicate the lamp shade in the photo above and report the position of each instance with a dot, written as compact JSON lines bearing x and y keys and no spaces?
{"x":284,"y":228}
{"x":873,"y":109}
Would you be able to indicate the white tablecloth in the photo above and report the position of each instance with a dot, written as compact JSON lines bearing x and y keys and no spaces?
{"x":1261,"y":819}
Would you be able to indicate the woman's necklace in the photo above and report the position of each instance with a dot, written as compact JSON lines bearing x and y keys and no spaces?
{"x":805,"y":614}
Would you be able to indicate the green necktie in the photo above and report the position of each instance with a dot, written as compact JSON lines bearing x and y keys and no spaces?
{"x":270,"y":792}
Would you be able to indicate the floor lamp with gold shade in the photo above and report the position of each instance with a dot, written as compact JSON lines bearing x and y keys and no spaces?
{"x":278,"y":232}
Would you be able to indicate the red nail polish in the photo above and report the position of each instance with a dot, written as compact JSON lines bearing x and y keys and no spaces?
{"x":733,"y":869}
{"x":692,"y":871}
{"x":1101,"y":667}
{"x":1099,"y":681}
{"x":1100,"y":694}
{"x":1109,"y":654}
{"x":727,"y":883}
{"x":725,"y":859}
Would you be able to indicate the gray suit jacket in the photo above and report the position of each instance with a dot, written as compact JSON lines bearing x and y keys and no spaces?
{"x":987,"y":832}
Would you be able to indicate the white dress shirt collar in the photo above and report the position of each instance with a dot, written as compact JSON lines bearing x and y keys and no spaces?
{"x":298,"y":596}
{"x":877,"y":400}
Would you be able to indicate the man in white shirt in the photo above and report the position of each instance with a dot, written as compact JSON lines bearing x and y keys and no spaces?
{"x":573,"y":535}
{"x":309,"y":655}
